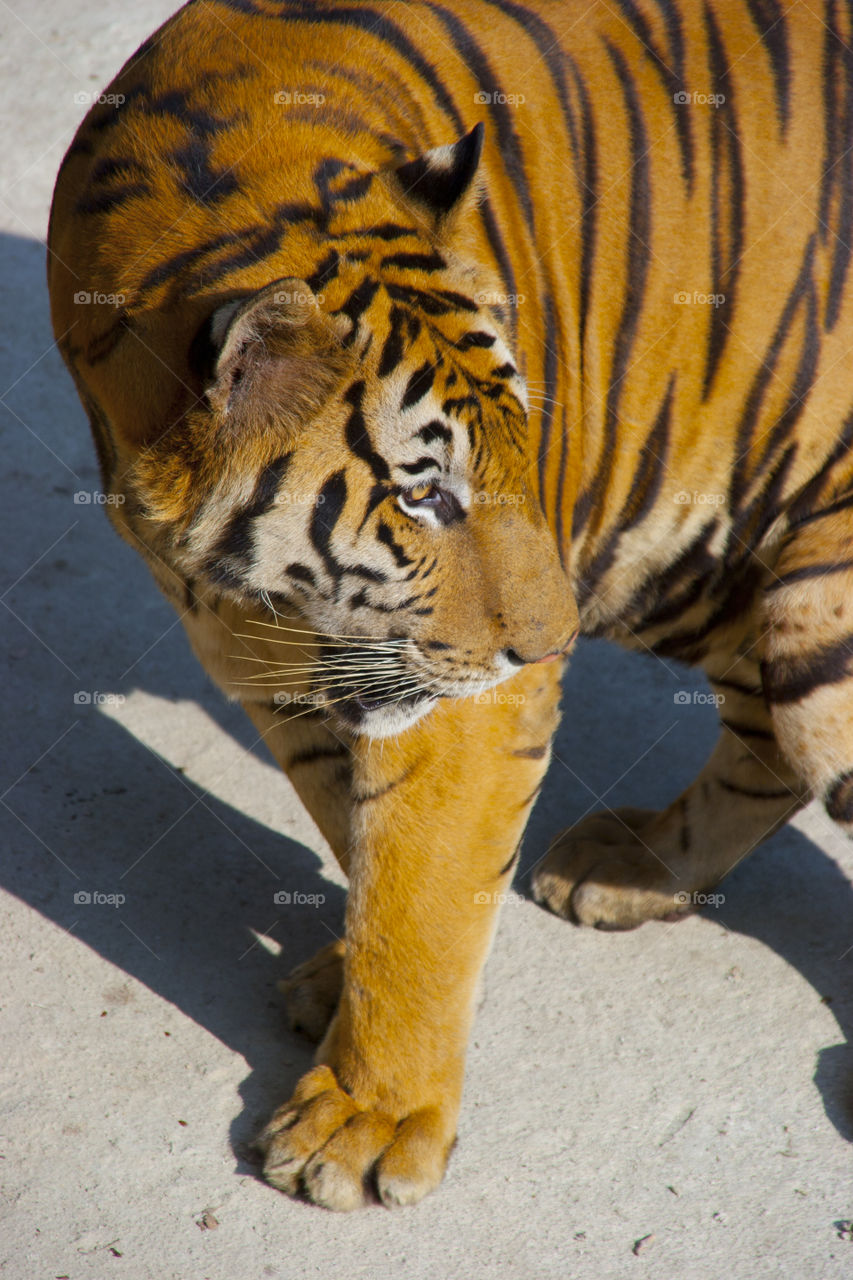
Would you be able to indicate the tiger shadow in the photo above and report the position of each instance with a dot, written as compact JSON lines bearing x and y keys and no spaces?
{"x":103,"y":814}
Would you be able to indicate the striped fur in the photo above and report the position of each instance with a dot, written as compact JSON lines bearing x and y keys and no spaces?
{"x":417,"y":337}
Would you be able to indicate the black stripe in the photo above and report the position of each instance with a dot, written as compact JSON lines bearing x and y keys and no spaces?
{"x":747,"y":730}
{"x":412,"y":468}
{"x":737,"y":686}
{"x":419,"y":384}
{"x":332,"y":751}
{"x":546,"y":418}
{"x":325,"y":271}
{"x":502,"y":258}
{"x":740,"y":478}
{"x":301,"y":573}
{"x":648,"y":477}
{"x":476,"y":338}
{"x":106,"y":201}
{"x":652,"y":604}
{"x":474,"y":58}
{"x":799,"y":511}
{"x":753,"y":521}
{"x":532,"y":753}
{"x":510,"y":864}
{"x":393,"y":346}
{"x":326,"y":515}
{"x":792,"y":678}
{"x":727,"y":202}
{"x":588,"y":182}
{"x":435,"y":430}
{"x":836,"y":200}
{"x":236,"y":542}
{"x":769,"y":19}
{"x":777,"y":794}
{"x":385,"y":535}
{"x":638,"y":239}
{"x":414,"y":261}
{"x":357,"y":303}
{"x":805,"y":572}
{"x":671,"y":79}
{"x":358,"y":436}
{"x":843,"y":504}
{"x":365,"y":797}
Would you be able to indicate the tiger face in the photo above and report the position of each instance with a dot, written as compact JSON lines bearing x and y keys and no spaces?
{"x":369,"y":471}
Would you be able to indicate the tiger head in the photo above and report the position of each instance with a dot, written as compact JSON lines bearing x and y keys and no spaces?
{"x":360,"y":455}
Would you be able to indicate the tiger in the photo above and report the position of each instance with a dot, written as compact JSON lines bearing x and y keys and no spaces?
{"x":419,"y":339}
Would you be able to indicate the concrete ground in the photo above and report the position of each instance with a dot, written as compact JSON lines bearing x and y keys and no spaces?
{"x":685,"y":1086}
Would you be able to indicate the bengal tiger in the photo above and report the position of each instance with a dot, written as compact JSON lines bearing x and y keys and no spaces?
{"x":418,"y":338}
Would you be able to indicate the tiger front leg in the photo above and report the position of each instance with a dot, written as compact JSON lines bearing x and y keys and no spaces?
{"x":617,"y":869}
{"x":440,"y":811}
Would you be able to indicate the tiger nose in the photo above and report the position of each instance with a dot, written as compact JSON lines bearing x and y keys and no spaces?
{"x":515,"y":657}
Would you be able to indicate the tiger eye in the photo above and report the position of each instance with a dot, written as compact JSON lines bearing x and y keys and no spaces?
{"x":419,"y":492}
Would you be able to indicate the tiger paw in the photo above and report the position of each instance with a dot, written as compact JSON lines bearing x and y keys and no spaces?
{"x":312,"y":990}
{"x":323,"y":1145}
{"x":607,"y":872}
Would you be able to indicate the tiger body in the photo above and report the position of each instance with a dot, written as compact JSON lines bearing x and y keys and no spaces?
{"x":593,"y":376}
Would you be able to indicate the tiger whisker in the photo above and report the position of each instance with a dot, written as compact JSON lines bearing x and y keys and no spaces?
{"x":335,"y":635}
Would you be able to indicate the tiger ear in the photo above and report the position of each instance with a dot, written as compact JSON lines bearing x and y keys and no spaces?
{"x":271,"y":359}
{"x":439,"y":178}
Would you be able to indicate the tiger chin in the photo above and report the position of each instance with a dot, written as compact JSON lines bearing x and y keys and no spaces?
{"x":401,"y":378}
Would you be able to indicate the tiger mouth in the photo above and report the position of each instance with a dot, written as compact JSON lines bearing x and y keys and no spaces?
{"x":355,"y":709}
